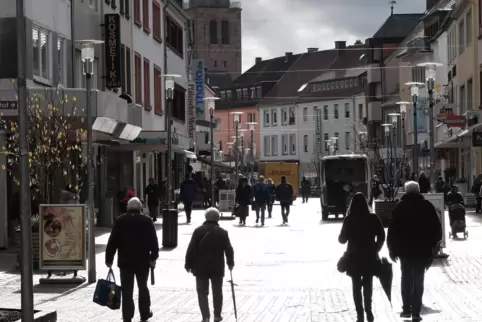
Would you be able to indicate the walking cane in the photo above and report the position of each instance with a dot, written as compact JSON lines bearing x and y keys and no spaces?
{"x":234,"y":295}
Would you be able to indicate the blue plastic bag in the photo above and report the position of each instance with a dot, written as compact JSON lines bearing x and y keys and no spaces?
{"x":107,"y":293}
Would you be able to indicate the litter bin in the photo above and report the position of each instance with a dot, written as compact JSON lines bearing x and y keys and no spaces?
{"x":169,"y":228}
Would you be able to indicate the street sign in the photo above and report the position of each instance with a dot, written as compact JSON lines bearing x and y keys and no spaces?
{"x":8,"y":105}
{"x":453,"y":120}
{"x":477,"y":139}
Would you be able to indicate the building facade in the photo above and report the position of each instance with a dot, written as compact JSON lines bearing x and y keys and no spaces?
{"x":217,"y":34}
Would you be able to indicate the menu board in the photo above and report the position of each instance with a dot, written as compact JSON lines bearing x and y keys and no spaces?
{"x":62,"y":237}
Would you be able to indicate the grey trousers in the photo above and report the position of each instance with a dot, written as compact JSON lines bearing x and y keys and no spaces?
{"x":202,"y":286}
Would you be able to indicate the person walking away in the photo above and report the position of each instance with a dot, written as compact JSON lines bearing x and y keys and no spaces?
{"x":242,"y":199}
{"x":261,"y":198}
{"x":134,"y":238}
{"x":424,"y":183}
{"x":440,"y":185}
{"x":153,"y":197}
{"x":205,"y":260}
{"x":376,"y":191}
{"x":284,"y":193}
{"x":220,"y":185}
{"x":365,"y":235}
{"x":188,"y":195}
{"x":272,"y":196}
{"x":413,"y":237}
{"x":305,"y":189}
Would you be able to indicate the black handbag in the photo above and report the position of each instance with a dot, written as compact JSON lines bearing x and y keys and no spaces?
{"x":343,"y":262}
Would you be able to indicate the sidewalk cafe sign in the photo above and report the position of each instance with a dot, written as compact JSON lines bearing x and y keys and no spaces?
{"x":62,"y":237}
{"x":437,"y":200}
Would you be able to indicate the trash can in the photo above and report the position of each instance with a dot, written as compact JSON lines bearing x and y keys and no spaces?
{"x":169,"y":228}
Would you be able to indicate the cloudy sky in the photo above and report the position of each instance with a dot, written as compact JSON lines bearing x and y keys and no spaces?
{"x":273,"y":27}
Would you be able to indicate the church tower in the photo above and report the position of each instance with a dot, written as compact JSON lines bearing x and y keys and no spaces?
{"x":217,"y":34}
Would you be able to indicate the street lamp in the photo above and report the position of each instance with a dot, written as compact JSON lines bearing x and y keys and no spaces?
{"x":211,"y":106}
{"x":403,"y":110}
{"x":430,"y":73}
{"x":237,"y":120}
{"x":169,"y":88}
{"x":88,"y":57}
{"x":252,"y":127}
{"x":394,"y":119}
{"x":414,"y":91}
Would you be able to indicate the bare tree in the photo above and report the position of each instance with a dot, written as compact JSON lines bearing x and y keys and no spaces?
{"x":384,"y":161}
{"x":55,"y":133}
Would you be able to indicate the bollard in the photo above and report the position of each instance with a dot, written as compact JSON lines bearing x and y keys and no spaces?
{"x":169,"y":228}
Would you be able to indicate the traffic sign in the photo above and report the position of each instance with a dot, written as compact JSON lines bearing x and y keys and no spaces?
{"x":8,"y":105}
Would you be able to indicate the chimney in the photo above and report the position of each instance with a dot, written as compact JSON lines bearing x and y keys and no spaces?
{"x":358,"y":42}
{"x":312,"y":49}
{"x":287,"y":56}
{"x":340,"y":44}
{"x":258,"y":60}
{"x":431,"y":4}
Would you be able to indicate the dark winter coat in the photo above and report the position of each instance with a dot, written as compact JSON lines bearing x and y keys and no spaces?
{"x":272,"y":191}
{"x":455,"y":198}
{"x":284,"y":193}
{"x":261,"y":193}
{"x":188,"y":190}
{"x":205,"y":253}
{"x":424,"y":184}
{"x":365,"y":236}
{"x":414,"y":229}
{"x":134,"y":238}
{"x":306,"y":187}
{"x":153,"y":193}
{"x":243,"y":195}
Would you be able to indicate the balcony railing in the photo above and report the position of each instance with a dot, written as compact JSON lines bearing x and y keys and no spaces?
{"x":232,"y":4}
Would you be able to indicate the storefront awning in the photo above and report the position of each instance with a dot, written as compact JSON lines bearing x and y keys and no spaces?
{"x":217,"y":164}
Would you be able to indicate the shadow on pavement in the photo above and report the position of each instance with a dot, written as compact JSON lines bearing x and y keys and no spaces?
{"x":51,"y":288}
{"x":440,"y":263}
{"x":100,"y":248}
{"x":331,"y":221}
{"x":429,"y":310}
{"x":167,"y":249}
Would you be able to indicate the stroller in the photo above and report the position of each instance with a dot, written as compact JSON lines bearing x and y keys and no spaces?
{"x":457,"y":220}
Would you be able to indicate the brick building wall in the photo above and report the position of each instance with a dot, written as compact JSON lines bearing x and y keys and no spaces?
{"x":218,"y":57}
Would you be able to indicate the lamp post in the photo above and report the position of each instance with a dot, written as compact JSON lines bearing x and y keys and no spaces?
{"x":88,"y":56}
{"x":252,"y":126}
{"x":26,"y":270}
{"x":388,"y":174}
{"x":414,"y":91}
{"x":211,"y":106}
{"x":237,"y":119}
{"x":394,"y":119}
{"x":169,"y":87}
{"x":430,"y":73}
{"x":403,"y":110}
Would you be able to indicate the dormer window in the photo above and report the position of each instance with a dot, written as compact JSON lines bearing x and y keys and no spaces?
{"x":351,"y":82}
{"x":238,"y":94}
{"x":245,"y":93}
{"x":346,"y":83}
{"x":355,"y":81}
{"x":342,"y":84}
{"x":228,"y":95}
{"x":323,"y":86}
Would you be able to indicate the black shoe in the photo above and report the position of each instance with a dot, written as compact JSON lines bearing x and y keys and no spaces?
{"x":262,"y":223}
{"x":189,"y":221}
{"x":406,"y":314}
{"x":257,"y":220}
{"x":360,"y":318}
{"x":147,"y":317}
{"x":416,"y":318}
{"x":370,"y":317}
{"x":240,"y":222}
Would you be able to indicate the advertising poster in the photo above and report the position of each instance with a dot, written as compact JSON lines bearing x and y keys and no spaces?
{"x":62,"y":237}
{"x":437,"y":200}
{"x":113,"y":50}
{"x":191,"y":111}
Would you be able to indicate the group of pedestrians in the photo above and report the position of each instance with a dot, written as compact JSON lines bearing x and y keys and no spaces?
{"x":261,"y":197}
{"x":413,"y":237}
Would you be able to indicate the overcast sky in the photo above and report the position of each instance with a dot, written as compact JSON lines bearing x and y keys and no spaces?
{"x":273,"y":27}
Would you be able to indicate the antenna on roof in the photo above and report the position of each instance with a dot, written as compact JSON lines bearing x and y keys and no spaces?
{"x":392,"y":4}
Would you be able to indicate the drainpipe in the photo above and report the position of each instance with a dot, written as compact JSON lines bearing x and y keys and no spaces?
{"x":102,"y":51}
{"x":475,"y":89}
{"x":354,"y":123}
{"x":72,"y":37}
{"x":164,"y":15}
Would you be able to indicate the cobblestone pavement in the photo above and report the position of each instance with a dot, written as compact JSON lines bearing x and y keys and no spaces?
{"x":284,"y":273}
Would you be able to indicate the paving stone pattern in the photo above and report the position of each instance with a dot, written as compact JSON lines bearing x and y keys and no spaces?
{"x":284,"y":273}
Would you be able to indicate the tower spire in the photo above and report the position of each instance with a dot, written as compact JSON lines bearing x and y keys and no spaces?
{"x":392,"y":5}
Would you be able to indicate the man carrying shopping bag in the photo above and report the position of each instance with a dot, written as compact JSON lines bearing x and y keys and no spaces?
{"x":205,"y":259}
{"x":134,"y":238}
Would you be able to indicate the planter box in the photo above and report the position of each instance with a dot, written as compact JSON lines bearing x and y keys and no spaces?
{"x":384,"y":210}
{"x":14,"y":315}
{"x":35,"y":248}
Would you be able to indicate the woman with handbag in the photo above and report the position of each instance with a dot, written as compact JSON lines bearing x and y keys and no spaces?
{"x":365,"y":236}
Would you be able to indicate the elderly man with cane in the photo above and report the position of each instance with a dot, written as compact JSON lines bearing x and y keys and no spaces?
{"x":205,"y":260}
